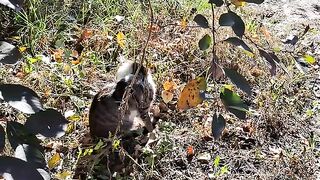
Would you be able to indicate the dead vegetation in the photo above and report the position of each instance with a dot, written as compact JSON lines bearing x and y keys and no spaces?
{"x":71,"y":51}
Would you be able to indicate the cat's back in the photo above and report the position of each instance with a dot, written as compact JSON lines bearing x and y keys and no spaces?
{"x":103,"y":114}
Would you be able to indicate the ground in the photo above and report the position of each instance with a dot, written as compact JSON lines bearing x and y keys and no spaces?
{"x":278,"y":140}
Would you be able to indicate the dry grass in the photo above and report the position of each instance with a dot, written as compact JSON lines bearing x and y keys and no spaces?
{"x":277,"y":141}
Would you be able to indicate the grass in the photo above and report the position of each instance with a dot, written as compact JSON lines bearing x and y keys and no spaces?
{"x":276,"y":142}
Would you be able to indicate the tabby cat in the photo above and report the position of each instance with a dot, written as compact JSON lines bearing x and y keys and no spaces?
{"x":104,"y":115}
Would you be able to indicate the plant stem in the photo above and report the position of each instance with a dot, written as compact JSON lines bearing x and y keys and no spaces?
{"x":213,"y":32}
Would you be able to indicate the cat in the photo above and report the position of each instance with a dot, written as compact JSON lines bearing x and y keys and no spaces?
{"x":104,"y":114}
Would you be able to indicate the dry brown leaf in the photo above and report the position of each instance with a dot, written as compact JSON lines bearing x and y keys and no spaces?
{"x":58,"y":54}
{"x":190,"y":95}
{"x":183,"y":23}
{"x":169,"y":85}
{"x":190,"y":151}
{"x":167,"y":96}
{"x":86,"y":34}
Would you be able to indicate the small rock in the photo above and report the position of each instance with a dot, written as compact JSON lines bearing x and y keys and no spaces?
{"x":204,"y":157}
{"x":211,"y":175}
{"x":119,"y":18}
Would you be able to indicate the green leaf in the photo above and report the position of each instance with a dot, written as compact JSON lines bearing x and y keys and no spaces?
{"x":218,"y":125}
{"x":254,"y":1}
{"x":309,"y":59}
{"x":233,"y":103}
{"x":201,"y":21}
{"x":216,"y":161}
{"x":239,"y":43}
{"x":98,"y":145}
{"x":238,"y":80}
{"x":205,"y":42}
{"x":234,"y":21}
{"x":223,"y":170}
{"x":218,"y":3}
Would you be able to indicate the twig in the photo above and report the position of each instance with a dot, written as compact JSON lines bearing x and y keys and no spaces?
{"x":127,"y":154}
{"x":213,"y":32}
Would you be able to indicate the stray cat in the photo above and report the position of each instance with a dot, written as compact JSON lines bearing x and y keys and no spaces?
{"x":104,"y":115}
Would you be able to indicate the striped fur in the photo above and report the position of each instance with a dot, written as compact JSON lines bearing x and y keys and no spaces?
{"x":104,"y":113}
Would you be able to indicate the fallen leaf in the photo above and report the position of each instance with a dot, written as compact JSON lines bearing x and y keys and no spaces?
{"x":190,"y":151}
{"x":58,"y":54}
{"x":154,"y":28}
{"x":22,"y":49}
{"x":121,"y":39}
{"x":54,"y":161}
{"x":183,"y":23}
{"x":75,"y":62}
{"x":167,"y":96}
{"x":86,"y":34}
{"x":63,"y":175}
{"x":228,"y":86}
{"x":191,"y":95}
{"x":309,"y":59}
{"x":238,"y":3}
{"x":169,"y":85}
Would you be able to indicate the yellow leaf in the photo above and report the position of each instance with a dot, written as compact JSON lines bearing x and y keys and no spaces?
{"x":169,"y":85}
{"x":248,"y":53}
{"x":228,"y":86}
{"x":75,"y":62}
{"x":32,"y":60}
{"x":74,"y":117}
{"x":66,"y":68}
{"x":15,"y":37}
{"x":190,"y":95}
{"x":63,"y":175}
{"x":201,"y":83}
{"x":57,"y":55}
{"x":183,"y":23}
{"x":22,"y":49}
{"x":238,"y":3}
{"x":166,"y":96}
{"x":309,"y":59}
{"x":70,"y":128}
{"x":121,"y":39}
{"x":54,"y":161}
